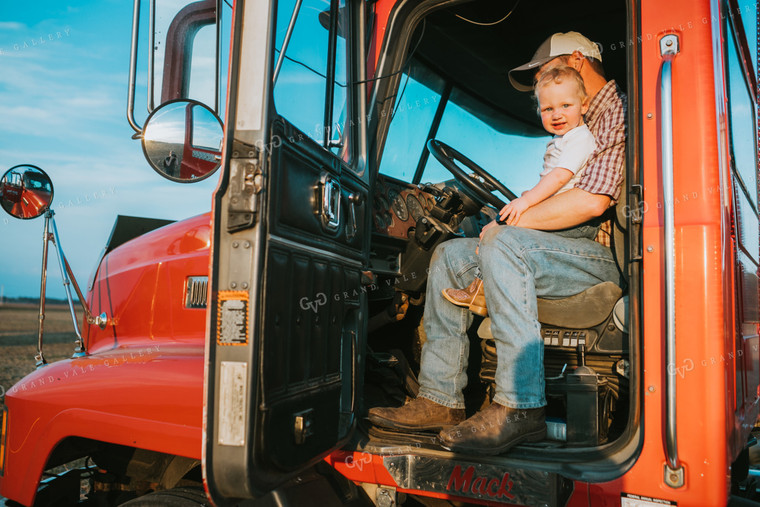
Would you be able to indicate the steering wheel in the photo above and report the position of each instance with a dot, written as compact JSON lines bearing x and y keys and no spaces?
{"x":482,"y":183}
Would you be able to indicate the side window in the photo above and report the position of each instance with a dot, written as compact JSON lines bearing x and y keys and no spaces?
{"x":748,"y":10}
{"x":743,"y":149}
{"x":312,"y":67}
{"x":741,"y":114}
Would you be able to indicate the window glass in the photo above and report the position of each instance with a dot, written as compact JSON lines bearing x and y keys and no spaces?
{"x":412,"y":118}
{"x":299,"y":93}
{"x":512,"y":151}
{"x":201,"y":46}
{"x":748,"y":10}
{"x":340,"y":91}
{"x":203,"y":68}
{"x":742,"y":121}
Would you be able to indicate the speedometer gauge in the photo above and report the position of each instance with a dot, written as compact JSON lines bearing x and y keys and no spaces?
{"x":398,"y":205}
{"x":415,"y":207}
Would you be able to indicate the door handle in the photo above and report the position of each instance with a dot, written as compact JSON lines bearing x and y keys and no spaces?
{"x":354,"y":199}
{"x":329,"y":196}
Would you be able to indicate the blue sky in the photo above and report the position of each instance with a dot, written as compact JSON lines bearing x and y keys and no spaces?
{"x":63,"y":91}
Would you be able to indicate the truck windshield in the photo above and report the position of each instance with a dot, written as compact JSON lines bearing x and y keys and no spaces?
{"x":478,"y":130}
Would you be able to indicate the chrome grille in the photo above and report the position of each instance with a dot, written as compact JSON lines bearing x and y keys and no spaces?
{"x":196,"y":291}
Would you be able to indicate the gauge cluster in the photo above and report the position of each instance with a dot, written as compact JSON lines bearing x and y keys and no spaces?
{"x":397,"y":206}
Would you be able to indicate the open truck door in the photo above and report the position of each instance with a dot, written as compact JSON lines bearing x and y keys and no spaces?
{"x":287,"y":309}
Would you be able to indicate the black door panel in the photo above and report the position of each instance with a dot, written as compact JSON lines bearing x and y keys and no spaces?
{"x":297,"y":170}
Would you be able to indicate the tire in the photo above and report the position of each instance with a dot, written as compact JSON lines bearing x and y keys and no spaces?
{"x":176,"y":497}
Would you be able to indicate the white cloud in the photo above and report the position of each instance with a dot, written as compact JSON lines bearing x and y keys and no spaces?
{"x":11,"y":25}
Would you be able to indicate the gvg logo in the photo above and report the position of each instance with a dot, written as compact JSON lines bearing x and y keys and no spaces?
{"x":320,"y":300}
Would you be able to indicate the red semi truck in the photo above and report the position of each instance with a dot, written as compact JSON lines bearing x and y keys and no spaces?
{"x":240,"y":350}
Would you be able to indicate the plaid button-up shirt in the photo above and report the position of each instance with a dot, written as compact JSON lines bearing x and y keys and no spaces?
{"x":606,"y":120}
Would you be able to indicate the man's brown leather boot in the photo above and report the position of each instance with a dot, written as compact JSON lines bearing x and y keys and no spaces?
{"x":419,"y":414}
{"x":495,"y":429}
{"x":472,"y":297}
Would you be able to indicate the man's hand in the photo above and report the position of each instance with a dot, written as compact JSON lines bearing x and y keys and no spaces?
{"x":512,"y":212}
{"x":489,"y":225}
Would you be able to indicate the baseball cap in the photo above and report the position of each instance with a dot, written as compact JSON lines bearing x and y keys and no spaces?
{"x":558,"y":44}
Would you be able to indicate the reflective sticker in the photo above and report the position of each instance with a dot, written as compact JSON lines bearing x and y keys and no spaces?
{"x":232,"y":318}
{"x":631,"y":500}
{"x":233,"y":393}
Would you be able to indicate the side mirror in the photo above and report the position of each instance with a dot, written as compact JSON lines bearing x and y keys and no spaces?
{"x":26,"y":191}
{"x":182,"y":140}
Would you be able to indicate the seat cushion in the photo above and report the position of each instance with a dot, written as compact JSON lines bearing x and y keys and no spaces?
{"x":581,"y":311}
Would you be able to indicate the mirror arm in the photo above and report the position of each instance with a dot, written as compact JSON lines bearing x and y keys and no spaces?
{"x":40,"y":358}
{"x":68,"y":279}
{"x":99,"y":320}
{"x":286,"y":40}
{"x":79,"y":351}
{"x":133,"y":68}
{"x":151,"y":50}
{"x":218,"y":84}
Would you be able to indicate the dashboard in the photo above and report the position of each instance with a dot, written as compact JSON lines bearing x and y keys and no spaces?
{"x":396,"y":206}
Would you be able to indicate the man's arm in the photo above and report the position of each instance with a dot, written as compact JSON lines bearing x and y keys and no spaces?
{"x":546,"y":187}
{"x":561,"y":211}
{"x":564,"y":210}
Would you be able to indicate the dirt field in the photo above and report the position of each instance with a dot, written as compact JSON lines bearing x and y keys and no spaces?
{"x":18,"y":339}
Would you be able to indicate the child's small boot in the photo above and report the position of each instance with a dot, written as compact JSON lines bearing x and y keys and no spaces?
{"x":472,"y":297}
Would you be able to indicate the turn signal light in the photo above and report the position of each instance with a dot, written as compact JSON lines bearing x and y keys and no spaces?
{"x":3,"y":434}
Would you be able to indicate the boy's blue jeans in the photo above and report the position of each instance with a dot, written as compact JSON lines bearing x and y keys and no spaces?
{"x":518,"y":265}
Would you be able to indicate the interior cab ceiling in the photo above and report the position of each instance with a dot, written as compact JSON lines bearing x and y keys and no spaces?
{"x":477,"y":57}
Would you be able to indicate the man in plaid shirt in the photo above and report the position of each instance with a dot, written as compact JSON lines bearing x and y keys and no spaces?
{"x":548,"y":254}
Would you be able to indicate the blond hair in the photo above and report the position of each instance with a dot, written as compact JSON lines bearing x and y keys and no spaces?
{"x":559,"y":74}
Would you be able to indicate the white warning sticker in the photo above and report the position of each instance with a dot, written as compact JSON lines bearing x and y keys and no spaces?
{"x":233,"y":393}
{"x":631,"y":500}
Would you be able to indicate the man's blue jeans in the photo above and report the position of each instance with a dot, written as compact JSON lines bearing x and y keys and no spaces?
{"x":518,"y":265}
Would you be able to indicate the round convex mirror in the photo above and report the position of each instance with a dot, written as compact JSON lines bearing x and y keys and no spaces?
{"x":26,"y":191}
{"x":182,"y":140}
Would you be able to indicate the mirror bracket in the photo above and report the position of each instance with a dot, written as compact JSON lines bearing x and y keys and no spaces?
{"x":67,"y":275}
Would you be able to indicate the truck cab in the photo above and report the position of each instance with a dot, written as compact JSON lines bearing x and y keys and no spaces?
{"x":245,"y":346}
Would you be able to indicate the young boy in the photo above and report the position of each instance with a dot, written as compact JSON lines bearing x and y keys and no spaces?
{"x":562,"y":102}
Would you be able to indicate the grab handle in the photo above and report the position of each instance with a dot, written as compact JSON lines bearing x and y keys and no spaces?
{"x":674,"y":473}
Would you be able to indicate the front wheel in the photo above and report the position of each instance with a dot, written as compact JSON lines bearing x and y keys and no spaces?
{"x":188,"y":496}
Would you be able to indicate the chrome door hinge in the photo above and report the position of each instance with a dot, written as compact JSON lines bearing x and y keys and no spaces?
{"x":637,"y":208}
{"x":245,"y":186}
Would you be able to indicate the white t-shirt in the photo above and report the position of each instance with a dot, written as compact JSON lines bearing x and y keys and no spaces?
{"x":570,"y":151}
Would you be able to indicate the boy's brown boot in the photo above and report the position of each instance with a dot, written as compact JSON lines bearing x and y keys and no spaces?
{"x":419,"y":414}
{"x":472,"y":297}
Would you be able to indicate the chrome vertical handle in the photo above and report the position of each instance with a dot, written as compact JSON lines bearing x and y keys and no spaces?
{"x":668,"y":50}
{"x":329,"y":208}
